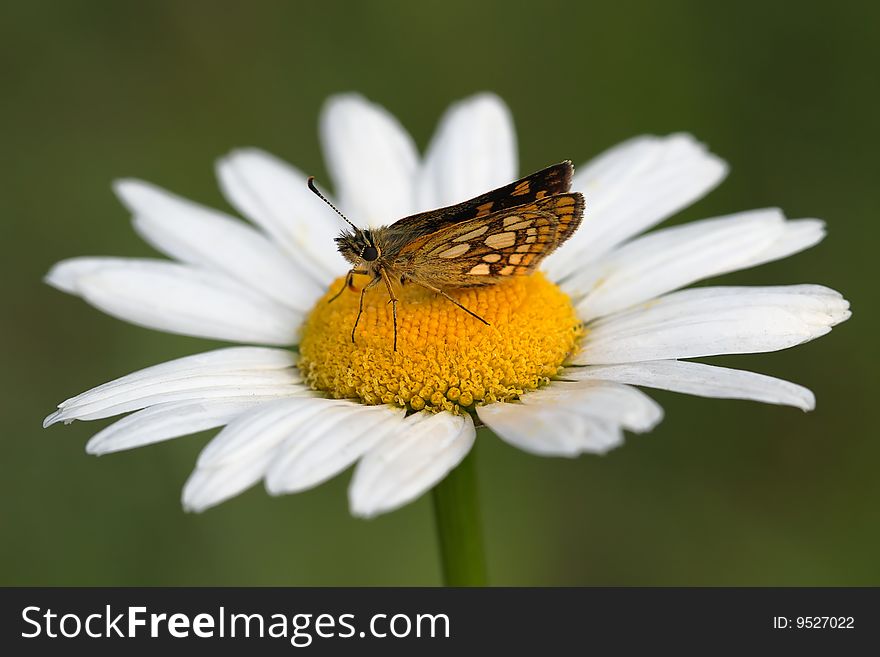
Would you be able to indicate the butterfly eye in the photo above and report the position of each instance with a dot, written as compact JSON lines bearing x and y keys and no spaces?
{"x":370,"y":253}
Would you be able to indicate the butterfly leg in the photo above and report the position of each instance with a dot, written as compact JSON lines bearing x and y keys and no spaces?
{"x":437,"y":290}
{"x":349,"y":278}
{"x":392,"y":301}
{"x":373,"y":283}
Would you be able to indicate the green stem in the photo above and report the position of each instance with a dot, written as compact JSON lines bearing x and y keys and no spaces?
{"x":459,"y":531}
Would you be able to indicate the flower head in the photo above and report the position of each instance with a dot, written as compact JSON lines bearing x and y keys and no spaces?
{"x":446,"y":360}
{"x":553,"y":372}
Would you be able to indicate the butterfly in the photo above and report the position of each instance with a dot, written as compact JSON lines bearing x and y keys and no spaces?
{"x":505,"y":232}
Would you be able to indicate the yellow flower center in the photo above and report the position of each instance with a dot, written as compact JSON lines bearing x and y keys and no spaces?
{"x":445,"y":359}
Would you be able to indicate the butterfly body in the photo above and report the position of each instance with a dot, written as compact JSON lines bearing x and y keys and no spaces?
{"x":505,"y":232}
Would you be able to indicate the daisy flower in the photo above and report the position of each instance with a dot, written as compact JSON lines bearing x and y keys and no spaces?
{"x":556,"y":373}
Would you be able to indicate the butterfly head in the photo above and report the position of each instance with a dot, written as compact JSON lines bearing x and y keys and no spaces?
{"x":355,"y":245}
{"x":358,"y":246}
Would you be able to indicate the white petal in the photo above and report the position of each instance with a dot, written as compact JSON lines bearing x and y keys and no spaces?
{"x":65,"y":275}
{"x":714,"y":320}
{"x":472,"y":152}
{"x":668,"y":259}
{"x":701,"y":380}
{"x":178,"y":299}
{"x":274,"y":195}
{"x":218,"y":361}
{"x":422,"y":450}
{"x":567,"y":419}
{"x":245,"y":385}
{"x":262,"y":428}
{"x":231,"y":371}
{"x":632,"y":187}
{"x":799,"y":234}
{"x":242,"y":452}
{"x":324,"y":445}
{"x":621,"y":404}
{"x":207,"y":487}
{"x":207,"y":238}
{"x":169,"y":420}
{"x":372,"y":159}
{"x":550,"y":431}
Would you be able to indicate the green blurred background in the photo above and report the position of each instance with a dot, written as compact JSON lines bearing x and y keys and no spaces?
{"x":722,"y":493}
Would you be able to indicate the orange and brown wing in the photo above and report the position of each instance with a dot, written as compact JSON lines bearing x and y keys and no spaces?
{"x":483,"y":250}
{"x":555,"y":179}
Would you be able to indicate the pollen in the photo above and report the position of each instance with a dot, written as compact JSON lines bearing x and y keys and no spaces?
{"x":446,"y":360}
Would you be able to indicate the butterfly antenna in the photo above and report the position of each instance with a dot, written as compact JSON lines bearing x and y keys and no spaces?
{"x":314,"y":189}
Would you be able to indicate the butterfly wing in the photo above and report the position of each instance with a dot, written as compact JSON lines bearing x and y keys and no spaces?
{"x":481,"y":250}
{"x":555,"y":179}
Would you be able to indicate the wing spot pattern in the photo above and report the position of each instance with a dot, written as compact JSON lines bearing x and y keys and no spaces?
{"x":501,"y":240}
{"x":455,"y":251}
{"x":471,"y":235}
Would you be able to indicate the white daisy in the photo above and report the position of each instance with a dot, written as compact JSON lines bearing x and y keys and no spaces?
{"x":553,"y":375}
